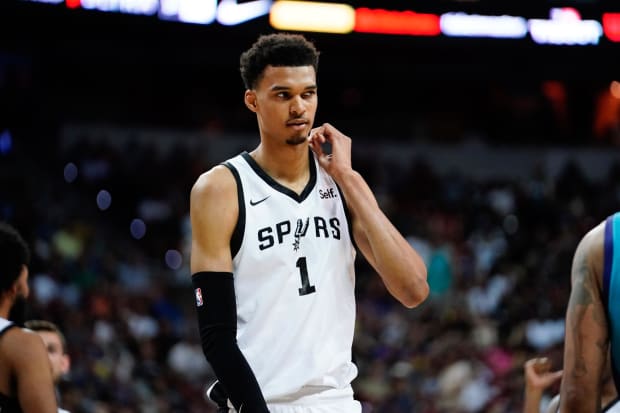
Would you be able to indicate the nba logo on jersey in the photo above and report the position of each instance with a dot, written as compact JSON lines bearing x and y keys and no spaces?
{"x":199,"y":301}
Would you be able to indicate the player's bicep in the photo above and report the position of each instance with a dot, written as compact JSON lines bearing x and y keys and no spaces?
{"x":213,"y":212}
{"x":585,"y":347}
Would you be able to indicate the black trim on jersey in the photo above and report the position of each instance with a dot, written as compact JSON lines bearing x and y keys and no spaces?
{"x":237,"y":235}
{"x":9,"y":404}
{"x":347,"y":213}
{"x":7,"y":328}
{"x":611,"y":404}
{"x":281,"y":188}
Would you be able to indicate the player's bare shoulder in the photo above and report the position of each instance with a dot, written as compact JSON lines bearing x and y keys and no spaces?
{"x":21,"y":344}
{"x":594,"y":244}
{"x":589,"y":256}
{"x":213,"y":187}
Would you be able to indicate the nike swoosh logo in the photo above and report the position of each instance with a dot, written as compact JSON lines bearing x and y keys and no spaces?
{"x":230,"y":12}
{"x":259,"y":201}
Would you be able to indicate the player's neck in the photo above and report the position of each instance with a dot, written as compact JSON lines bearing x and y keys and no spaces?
{"x":5,"y":308}
{"x":288,"y":165}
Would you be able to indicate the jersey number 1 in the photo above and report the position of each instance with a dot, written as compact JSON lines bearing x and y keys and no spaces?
{"x":306,"y":288}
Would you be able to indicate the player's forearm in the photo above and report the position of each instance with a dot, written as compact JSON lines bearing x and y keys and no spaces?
{"x":531,"y":402}
{"x":234,"y":372}
{"x":401,"y":268}
{"x":217,"y":324}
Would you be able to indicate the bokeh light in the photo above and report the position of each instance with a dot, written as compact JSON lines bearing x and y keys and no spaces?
{"x":137,"y":228}
{"x":174,"y":260}
{"x":70,"y":172}
{"x":104,"y":200}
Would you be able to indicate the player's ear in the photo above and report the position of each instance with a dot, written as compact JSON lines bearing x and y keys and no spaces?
{"x":250,"y":100}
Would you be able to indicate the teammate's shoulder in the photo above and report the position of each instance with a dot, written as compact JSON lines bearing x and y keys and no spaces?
{"x":22,"y":340}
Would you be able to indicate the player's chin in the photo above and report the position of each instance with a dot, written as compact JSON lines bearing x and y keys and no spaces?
{"x":297,"y":140}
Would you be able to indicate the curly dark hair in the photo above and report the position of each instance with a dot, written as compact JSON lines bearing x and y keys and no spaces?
{"x":14,"y":253}
{"x":278,"y":49}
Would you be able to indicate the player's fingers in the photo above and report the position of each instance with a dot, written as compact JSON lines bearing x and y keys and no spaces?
{"x":542,"y":365}
{"x":556,"y":375}
{"x":317,"y":130}
{"x":315,"y":145}
{"x":317,"y":136}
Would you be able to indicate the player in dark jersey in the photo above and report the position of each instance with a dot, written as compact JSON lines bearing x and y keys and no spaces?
{"x":592,"y":318}
{"x":26,"y":383}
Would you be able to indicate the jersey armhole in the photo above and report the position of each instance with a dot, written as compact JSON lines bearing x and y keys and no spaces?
{"x":610,"y":405}
{"x":7,"y":328}
{"x":347,"y":214}
{"x":237,"y":236}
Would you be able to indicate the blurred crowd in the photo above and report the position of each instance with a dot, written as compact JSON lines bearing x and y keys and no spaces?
{"x":109,"y":231}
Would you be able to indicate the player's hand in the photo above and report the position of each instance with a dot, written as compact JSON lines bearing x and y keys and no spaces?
{"x":217,"y":394}
{"x":338,"y":161}
{"x":538,"y":375}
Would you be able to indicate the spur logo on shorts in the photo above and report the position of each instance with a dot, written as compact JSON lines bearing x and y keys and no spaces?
{"x":199,"y":301}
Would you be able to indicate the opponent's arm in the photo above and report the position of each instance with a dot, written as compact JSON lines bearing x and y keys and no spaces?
{"x":33,"y":372}
{"x":586,"y":338}
{"x":214,"y":211}
{"x":401,"y":268}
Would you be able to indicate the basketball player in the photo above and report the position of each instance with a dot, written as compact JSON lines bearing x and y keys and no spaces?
{"x":56,"y":345}
{"x":273,"y":236}
{"x":26,"y":383}
{"x":592,"y":318}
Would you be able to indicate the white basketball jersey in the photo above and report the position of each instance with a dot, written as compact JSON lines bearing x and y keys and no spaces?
{"x":613,"y":407}
{"x":5,"y":325}
{"x":293,"y":266}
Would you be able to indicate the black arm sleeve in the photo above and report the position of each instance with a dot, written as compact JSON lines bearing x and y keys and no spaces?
{"x":217,"y":321}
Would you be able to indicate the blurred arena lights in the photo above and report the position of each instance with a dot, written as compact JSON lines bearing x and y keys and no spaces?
{"x":189,"y":11}
{"x":104,"y":200}
{"x":614,"y":89}
{"x":137,"y":228}
{"x":565,"y":27}
{"x":174,"y":259}
{"x":231,"y":13}
{"x":312,"y":16}
{"x":147,"y":7}
{"x":611,"y":26}
{"x":396,"y":22}
{"x":475,"y":25}
{"x":70,"y":172}
{"x":6,"y":142}
{"x":511,"y":224}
